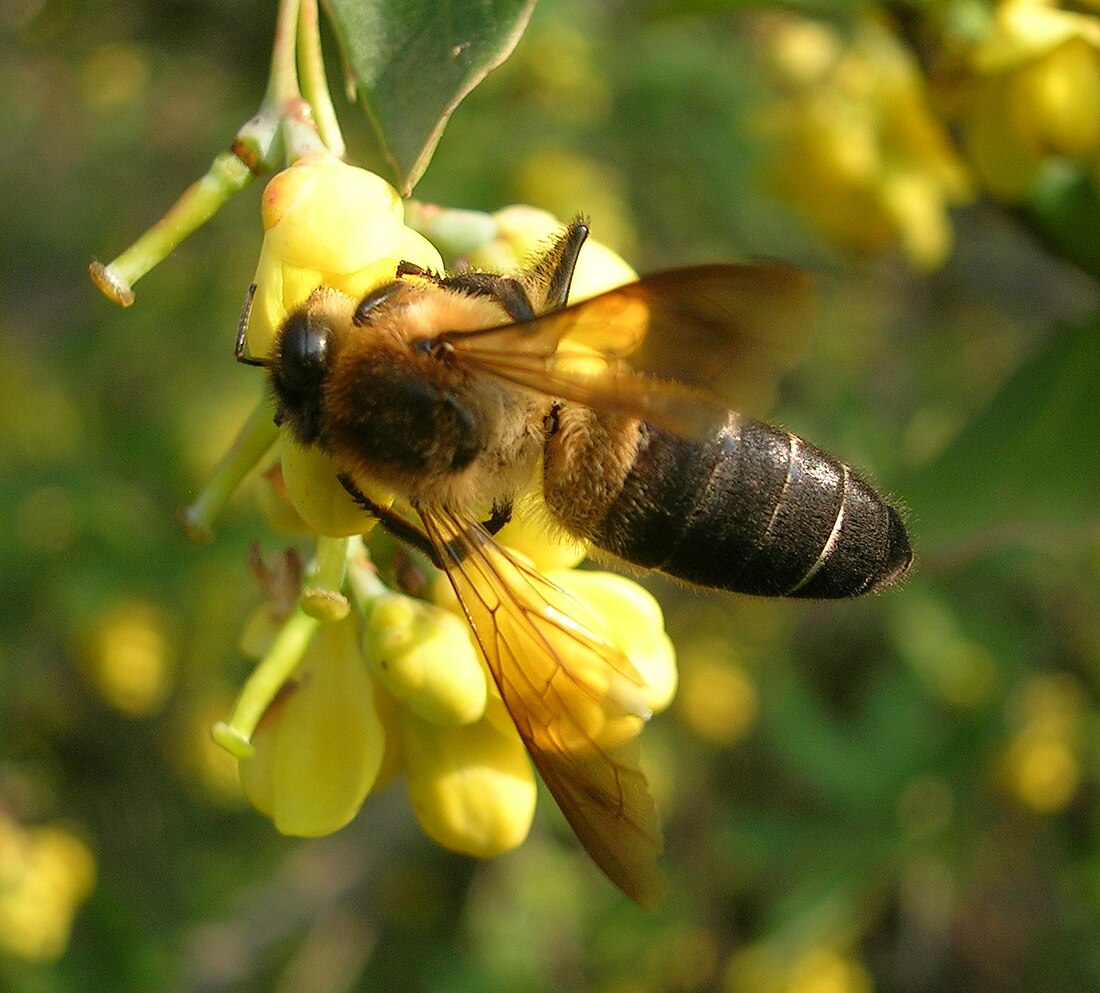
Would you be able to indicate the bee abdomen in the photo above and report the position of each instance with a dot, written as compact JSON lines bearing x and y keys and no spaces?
{"x":753,"y":510}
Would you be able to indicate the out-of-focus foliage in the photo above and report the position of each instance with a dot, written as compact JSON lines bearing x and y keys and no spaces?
{"x":897,"y":794}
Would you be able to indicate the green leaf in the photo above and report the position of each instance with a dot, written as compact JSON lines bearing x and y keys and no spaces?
{"x":1028,"y":467}
{"x":413,"y":62}
{"x":1064,"y":207}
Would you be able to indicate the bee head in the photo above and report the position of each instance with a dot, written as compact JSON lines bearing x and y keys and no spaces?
{"x":298,"y":368}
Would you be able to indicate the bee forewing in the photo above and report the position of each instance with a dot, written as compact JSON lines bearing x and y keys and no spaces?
{"x":732,"y":330}
{"x":711,"y":337}
{"x":576,"y":700}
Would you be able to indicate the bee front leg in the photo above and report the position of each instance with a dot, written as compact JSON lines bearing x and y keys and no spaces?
{"x":400,"y":528}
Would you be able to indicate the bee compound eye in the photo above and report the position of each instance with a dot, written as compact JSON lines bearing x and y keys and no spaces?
{"x":372,"y":300}
{"x":304,"y":349}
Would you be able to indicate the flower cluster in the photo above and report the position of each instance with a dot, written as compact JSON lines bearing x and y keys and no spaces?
{"x":369,"y":682}
{"x":857,"y":148}
{"x":1027,"y":92}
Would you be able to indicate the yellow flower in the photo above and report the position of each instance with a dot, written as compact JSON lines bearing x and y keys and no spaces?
{"x":130,"y":658}
{"x":631,"y":619}
{"x":856,"y":147}
{"x":1031,"y":91}
{"x":318,"y":749}
{"x":46,"y":873}
{"x":334,"y":226}
{"x":1042,"y":765}
{"x":336,"y":708}
{"x":523,"y":231}
{"x":327,"y":223}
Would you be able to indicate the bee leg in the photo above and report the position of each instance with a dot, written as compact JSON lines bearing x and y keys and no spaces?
{"x":510,"y":293}
{"x":558,"y":265}
{"x":394,"y":523}
{"x":501,"y":515}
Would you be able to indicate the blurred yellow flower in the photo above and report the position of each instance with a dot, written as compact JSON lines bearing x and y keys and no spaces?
{"x":765,"y":967}
{"x":46,"y":873}
{"x":129,"y":656}
{"x":1042,"y":764}
{"x":857,"y":149}
{"x":1030,"y":91}
{"x":718,"y":699}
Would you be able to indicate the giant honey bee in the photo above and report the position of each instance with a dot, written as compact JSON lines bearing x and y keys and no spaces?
{"x":456,"y":391}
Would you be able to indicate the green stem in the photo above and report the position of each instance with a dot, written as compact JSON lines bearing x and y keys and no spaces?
{"x":255,"y":150}
{"x":321,"y":596}
{"x":267,"y":679}
{"x":297,"y":129}
{"x":311,"y":63}
{"x":282,"y":82}
{"x":253,"y":441}
{"x":453,"y":231}
{"x":364,"y":586}
{"x":200,"y":201}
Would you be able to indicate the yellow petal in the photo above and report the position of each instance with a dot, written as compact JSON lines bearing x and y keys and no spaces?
{"x":423,"y":655}
{"x":324,"y":214}
{"x":472,"y":787}
{"x":323,"y":504}
{"x":633,"y":621}
{"x":319,"y":747}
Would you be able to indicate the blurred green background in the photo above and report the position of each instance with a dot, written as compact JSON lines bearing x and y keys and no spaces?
{"x":897,"y":794}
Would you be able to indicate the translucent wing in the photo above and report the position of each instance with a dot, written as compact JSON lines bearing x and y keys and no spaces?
{"x":576,"y":700}
{"x":709,"y":336}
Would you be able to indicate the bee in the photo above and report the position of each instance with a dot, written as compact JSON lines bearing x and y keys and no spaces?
{"x":457,"y":391}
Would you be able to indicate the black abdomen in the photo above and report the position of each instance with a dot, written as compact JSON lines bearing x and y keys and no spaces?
{"x":753,"y":510}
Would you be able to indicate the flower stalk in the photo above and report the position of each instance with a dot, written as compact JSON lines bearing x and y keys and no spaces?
{"x":283,"y":128}
{"x":321,"y":596}
{"x":311,"y":65}
{"x":228,"y":174}
{"x":253,"y":441}
{"x":265,"y":683}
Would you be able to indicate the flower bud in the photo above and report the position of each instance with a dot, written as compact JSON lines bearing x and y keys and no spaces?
{"x":423,"y":655}
{"x":318,"y":748}
{"x":327,"y":223}
{"x":632,"y":620}
{"x":472,"y":786}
